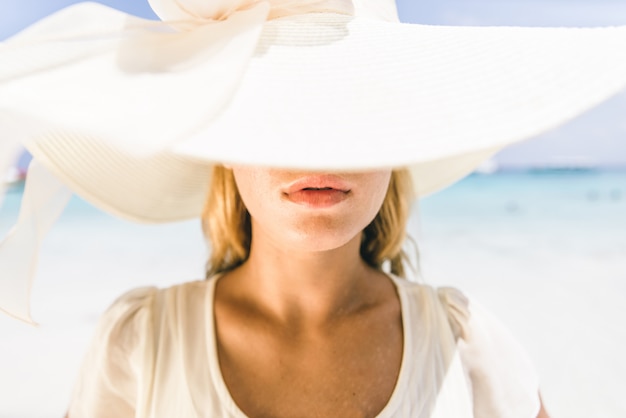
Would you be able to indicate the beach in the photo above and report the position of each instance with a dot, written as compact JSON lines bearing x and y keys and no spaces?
{"x":544,"y":251}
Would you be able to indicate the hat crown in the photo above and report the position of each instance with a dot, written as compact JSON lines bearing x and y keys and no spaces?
{"x":212,"y":10}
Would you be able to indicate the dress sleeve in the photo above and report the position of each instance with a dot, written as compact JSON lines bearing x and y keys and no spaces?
{"x":107,"y":381}
{"x":502,"y":378}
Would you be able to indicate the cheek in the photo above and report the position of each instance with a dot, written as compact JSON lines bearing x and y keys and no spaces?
{"x":261,"y":195}
{"x":254,"y":188}
{"x":372,"y":195}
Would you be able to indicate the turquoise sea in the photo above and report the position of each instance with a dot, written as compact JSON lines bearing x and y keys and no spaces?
{"x":583,"y":211}
{"x":549,"y":195}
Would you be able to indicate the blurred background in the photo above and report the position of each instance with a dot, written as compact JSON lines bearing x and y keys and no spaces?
{"x":537,"y":235}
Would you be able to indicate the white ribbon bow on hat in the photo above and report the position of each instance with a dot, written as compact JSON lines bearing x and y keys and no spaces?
{"x":212,"y":40}
{"x":198,"y":12}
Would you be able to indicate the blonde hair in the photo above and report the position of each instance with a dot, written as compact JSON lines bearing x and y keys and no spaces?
{"x":227,"y":226}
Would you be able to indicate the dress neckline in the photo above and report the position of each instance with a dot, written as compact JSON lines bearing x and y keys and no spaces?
{"x":227,"y":400}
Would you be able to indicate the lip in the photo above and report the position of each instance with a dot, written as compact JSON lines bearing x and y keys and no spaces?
{"x":319,"y":191}
{"x":321,"y":181}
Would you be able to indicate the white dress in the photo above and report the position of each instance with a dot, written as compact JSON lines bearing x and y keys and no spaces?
{"x":154,"y":356}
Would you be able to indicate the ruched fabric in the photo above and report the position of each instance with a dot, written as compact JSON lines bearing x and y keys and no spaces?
{"x":154,"y":356}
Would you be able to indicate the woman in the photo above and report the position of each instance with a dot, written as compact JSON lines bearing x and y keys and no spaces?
{"x":305,"y":312}
{"x":299,"y":319}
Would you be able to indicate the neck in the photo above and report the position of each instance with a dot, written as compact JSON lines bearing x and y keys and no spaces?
{"x":299,"y":287}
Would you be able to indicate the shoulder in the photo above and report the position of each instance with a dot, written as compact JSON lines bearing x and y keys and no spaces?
{"x":423,"y":299}
{"x":138,"y":309}
{"x":107,"y":383}
{"x":141,"y":336}
{"x":142,"y":297}
{"x":125,"y":314}
{"x":502,"y":377}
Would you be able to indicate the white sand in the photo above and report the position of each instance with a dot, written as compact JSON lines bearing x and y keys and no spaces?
{"x":565,"y":302}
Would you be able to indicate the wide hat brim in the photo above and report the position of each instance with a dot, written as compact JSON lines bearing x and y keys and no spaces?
{"x":320,"y":91}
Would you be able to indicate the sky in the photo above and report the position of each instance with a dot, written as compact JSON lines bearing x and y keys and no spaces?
{"x":598,"y":136}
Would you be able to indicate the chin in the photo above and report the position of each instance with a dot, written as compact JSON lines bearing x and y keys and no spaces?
{"x":322,"y":240}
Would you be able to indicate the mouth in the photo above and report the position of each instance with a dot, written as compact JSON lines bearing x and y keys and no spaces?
{"x":318,"y":183}
{"x":320,"y":191}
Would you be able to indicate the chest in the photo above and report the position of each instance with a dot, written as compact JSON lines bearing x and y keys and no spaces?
{"x":192,"y":368}
{"x":350,"y":371}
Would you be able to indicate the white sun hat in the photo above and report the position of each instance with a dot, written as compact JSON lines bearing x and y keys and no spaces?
{"x":131,"y":113}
